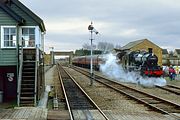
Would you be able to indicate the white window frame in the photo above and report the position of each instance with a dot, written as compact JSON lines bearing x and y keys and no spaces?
{"x":2,"y":36}
{"x":36,"y":35}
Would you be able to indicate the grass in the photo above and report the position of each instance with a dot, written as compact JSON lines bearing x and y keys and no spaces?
{"x":8,"y":105}
{"x":50,"y":104}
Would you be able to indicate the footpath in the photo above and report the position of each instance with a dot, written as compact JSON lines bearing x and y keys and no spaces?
{"x":49,"y":81}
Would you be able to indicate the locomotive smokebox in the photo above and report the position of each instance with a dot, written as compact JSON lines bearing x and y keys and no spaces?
{"x":150,"y":50}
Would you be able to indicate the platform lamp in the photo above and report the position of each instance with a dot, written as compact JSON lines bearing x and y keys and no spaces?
{"x":91,"y":29}
{"x":52,"y":55}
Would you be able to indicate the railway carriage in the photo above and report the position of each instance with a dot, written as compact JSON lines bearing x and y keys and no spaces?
{"x":85,"y":61}
{"x":143,"y":62}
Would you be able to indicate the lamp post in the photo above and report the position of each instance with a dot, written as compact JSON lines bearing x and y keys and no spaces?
{"x":52,"y":56}
{"x":91,"y":29}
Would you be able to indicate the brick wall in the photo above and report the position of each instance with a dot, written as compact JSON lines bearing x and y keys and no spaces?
{"x":145,"y":45}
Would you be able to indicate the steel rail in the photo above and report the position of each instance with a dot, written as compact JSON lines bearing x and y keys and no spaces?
{"x":176,"y":90}
{"x":132,"y":96}
{"x":142,"y":100}
{"x":89,"y":97}
{"x":65,"y":94}
{"x":86,"y":95}
{"x":173,"y":86}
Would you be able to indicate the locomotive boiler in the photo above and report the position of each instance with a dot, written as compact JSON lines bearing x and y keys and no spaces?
{"x":146,"y":63}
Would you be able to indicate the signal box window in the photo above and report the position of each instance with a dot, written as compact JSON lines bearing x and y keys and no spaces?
{"x":8,"y":37}
{"x":28,"y":37}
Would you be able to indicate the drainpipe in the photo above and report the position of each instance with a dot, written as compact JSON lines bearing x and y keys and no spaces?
{"x":17,"y":55}
{"x":43,"y":78}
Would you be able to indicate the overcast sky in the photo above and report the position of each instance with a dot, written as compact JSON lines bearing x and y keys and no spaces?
{"x":117,"y":21}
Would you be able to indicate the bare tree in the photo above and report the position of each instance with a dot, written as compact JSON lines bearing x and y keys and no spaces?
{"x":104,"y":46}
{"x":118,"y":46}
{"x":87,"y":46}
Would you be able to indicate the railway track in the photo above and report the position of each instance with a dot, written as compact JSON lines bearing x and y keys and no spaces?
{"x":153,"y":102}
{"x":171,"y":88}
{"x":75,"y":96}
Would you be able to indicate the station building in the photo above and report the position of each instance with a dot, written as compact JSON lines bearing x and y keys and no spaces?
{"x":171,"y":58}
{"x":21,"y":53}
{"x":165,"y":56}
{"x":144,"y":44}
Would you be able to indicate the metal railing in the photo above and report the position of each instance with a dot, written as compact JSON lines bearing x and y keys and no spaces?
{"x":36,"y":70}
{"x":20,"y":76}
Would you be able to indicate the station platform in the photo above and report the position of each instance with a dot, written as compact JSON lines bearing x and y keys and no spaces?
{"x":23,"y":113}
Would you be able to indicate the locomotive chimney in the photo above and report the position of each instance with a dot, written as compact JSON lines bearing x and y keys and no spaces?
{"x":150,"y":50}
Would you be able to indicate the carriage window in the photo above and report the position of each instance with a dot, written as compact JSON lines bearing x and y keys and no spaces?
{"x":28,"y":37}
{"x":8,"y":37}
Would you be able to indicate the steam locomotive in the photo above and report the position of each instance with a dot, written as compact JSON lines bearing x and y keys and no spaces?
{"x":146,"y":63}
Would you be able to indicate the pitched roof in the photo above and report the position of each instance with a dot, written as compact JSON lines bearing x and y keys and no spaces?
{"x":7,"y":8}
{"x":164,"y":51}
{"x":132,"y":44}
{"x":135,"y":43}
{"x":178,"y":51}
{"x":38,"y":20}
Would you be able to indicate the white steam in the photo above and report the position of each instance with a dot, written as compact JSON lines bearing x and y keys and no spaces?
{"x":115,"y":71}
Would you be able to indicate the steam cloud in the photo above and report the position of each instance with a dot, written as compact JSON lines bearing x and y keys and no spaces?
{"x":115,"y":71}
